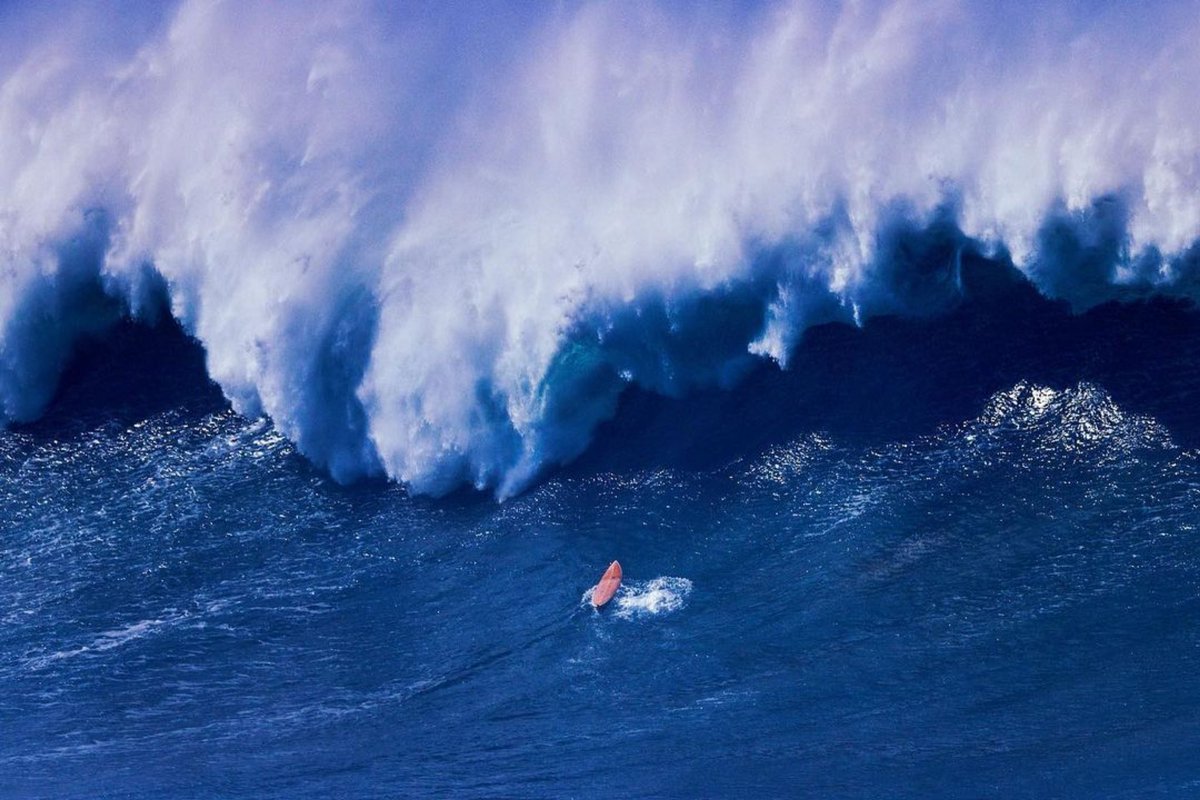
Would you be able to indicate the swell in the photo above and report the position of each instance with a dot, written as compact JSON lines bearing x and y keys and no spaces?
{"x":446,"y":264}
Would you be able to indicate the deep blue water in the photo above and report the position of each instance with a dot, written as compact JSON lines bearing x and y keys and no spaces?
{"x":946,"y":558}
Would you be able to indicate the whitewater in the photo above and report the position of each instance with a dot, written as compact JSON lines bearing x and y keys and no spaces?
{"x":438,"y":250}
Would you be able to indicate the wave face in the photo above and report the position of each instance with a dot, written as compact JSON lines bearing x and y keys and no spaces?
{"x":439,"y":247}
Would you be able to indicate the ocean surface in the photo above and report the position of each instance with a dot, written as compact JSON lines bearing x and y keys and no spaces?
{"x":937,"y":559}
{"x":343,"y":345}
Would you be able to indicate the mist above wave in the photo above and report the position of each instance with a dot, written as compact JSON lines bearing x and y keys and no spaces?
{"x":438,"y":246}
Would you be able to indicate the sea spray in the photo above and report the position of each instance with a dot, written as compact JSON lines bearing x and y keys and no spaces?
{"x":441,"y":250}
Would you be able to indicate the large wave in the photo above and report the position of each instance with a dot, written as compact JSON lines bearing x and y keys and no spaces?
{"x":439,"y":242}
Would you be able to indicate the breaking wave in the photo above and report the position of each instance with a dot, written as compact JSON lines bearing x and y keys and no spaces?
{"x":438,"y":247}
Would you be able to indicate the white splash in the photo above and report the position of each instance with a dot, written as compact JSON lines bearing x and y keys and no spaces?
{"x":439,"y":245}
{"x":652,"y":598}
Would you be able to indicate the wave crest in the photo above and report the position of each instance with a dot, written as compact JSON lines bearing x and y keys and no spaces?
{"x":440,"y":249}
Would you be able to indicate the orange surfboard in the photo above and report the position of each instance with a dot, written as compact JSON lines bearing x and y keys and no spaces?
{"x":608,"y":585}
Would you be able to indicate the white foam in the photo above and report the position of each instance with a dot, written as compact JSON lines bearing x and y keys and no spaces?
{"x":412,"y":240}
{"x":662,"y":595}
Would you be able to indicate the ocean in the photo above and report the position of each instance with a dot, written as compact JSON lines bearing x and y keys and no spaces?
{"x":343,"y":347}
